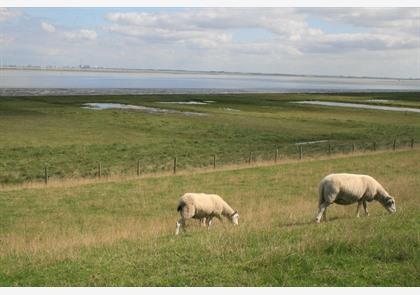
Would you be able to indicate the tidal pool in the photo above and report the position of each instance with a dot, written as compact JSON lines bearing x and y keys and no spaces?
{"x":378,"y":100}
{"x":184,"y":102}
{"x":310,"y":142}
{"x":120,"y":106}
{"x":357,"y":105}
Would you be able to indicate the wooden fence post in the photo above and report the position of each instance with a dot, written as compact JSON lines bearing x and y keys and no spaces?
{"x":46,"y":175}
{"x":394,"y":145}
{"x":276,"y":156}
{"x":214,"y":161}
{"x":174,"y":165}
{"x":99,"y":169}
{"x":250,"y":158}
{"x":138,"y":167}
{"x":412,"y":143}
{"x":300,"y":152}
{"x":374,"y":145}
{"x":353,"y":148}
{"x":329,"y":149}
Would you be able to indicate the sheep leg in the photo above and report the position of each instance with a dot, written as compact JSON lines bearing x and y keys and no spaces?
{"x":322,"y":208}
{"x":324,"y":215}
{"x":209,"y":222}
{"x":180,"y":222}
{"x":359,"y":204}
{"x":203,"y":221}
{"x":365,"y":207}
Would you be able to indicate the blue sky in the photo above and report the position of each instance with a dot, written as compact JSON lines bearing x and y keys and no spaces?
{"x":337,"y":41}
{"x":85,"y":16}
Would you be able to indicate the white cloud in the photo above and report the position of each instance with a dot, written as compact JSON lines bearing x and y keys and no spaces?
{"x":5,"y":40}
{"x":368,"y":17}
{"x":395,"y":23}
{"x":208,"y":39}
{"x":6,"y":13}
{"x":207,"y":28}
{"x":52,"y":51}
{"x":210,"y":24}
{"x":82,"y":34}
{"x":48,"y":27}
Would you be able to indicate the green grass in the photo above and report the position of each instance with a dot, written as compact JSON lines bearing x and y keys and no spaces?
{"x":122,"y":233}
{"x":54,"y":131}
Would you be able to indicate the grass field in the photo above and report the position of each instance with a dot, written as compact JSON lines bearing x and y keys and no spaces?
{"x":119,"y":230}
{"x":122,"y":233}
{"x":56,"y":132}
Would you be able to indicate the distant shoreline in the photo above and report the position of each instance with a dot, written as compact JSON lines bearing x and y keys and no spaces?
{"x":172,"y":91}
{"x":180,"y":72}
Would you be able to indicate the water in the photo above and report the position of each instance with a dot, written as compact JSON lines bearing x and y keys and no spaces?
{"x":45,"y":82}
{"x":379,"y":100}
{"x":185,"y":102}
{"x":359,"y":106}
{"x":120,"y":106}
{"x":231,"y":110}
{"x":311,"y":142}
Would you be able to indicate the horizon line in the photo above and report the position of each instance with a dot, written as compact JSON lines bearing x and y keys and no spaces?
{"x":88,"y":68}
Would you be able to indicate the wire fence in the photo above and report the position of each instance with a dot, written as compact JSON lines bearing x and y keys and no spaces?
{"x":298,"y":151}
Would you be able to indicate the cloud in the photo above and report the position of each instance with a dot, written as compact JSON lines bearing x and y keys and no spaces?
{"x":208,"y":39}
{"x":342,"y":43}
{"x":5,"y":40}
{"x":211,"y":27}
{"x":48,"y":27}
{"x":181,"y":28}
{"x":210,"y":24}
{"x":6,"y":14}
{"x":80,"y":35}
{"x":403,"y":22}
{"x":367,"y":17}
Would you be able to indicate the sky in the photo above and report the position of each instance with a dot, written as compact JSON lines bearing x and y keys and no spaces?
{"x":380,"y":42}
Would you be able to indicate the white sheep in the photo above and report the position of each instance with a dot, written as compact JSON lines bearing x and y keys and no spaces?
{"x":345,"y":189}
{"x":204,"y":207}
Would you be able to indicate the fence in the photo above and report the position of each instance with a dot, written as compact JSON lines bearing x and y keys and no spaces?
{"x":297,"y":151}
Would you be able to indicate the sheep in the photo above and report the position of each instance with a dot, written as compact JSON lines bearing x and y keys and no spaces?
{"x":204,"y":207}
{"x":345,"y":189}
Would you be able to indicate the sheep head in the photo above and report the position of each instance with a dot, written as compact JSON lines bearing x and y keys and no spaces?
{"x":234,"y":217}
{"x":389,"y":204}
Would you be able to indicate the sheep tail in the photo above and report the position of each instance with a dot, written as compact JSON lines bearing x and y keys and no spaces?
{"x":180,"y":206}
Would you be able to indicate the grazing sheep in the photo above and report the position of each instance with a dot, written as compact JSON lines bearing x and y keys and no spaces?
{"x":204,"y":207}
{"x":345,"y":189}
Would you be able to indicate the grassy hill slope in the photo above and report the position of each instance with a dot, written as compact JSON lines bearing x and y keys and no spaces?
{"x":122,"y":233}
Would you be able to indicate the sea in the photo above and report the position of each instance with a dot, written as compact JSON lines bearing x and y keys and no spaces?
{"x":53,"y":82}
